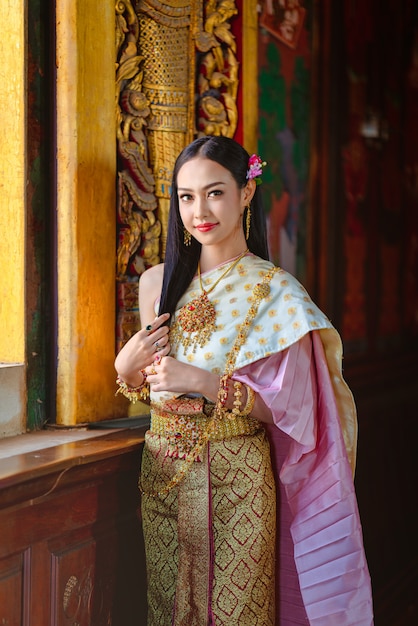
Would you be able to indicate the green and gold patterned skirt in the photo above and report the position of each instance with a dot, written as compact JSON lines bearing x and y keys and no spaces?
{"x":210,"y":541}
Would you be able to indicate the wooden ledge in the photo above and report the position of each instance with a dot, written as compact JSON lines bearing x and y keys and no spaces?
{"x":39,"y":472}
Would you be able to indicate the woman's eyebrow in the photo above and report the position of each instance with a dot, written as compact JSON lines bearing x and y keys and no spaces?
{"x":220,"y":182}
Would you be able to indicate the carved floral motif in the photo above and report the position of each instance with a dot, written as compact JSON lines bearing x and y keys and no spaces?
{"x":139,"y":229}
{"x":218,"y":71}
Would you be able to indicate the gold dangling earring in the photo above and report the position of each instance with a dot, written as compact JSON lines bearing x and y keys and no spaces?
{"x":187,"y":237}
{"x":248,"y":223}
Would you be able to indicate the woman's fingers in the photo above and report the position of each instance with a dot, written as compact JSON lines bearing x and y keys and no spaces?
{"x":157,"y":324}
{"x":161,"y":342}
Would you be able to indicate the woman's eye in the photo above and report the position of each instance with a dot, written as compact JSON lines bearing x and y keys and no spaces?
{"x":185,"y":197}
{"x":215,"y":192}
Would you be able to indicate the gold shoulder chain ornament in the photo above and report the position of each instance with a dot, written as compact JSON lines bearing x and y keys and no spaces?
{"x":196,"y":321}
{"x":260,"y":291}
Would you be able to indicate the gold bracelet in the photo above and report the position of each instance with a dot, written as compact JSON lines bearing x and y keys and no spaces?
{"x":249,"y":405}
{"x":134,"y":394}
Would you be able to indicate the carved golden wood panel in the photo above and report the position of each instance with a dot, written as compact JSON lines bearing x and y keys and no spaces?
{"x":176,"y":78}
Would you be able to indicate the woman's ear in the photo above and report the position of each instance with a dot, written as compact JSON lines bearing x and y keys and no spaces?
{"x":249,"y":191}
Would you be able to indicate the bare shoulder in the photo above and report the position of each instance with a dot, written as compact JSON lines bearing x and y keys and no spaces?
{"x":151,"y":282}
{"x":152,"y":274}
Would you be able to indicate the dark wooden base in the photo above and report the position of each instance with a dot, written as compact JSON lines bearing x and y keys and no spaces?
{"x":71,"y":549}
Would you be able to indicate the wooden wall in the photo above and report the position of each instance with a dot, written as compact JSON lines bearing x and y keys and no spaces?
{"x":339,"y":129}
{"x":366,"y":205}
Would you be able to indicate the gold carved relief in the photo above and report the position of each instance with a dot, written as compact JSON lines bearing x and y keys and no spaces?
{"x":139,"y":228}
{"x":176,"y":77}
{"x":218,"y":71}
{"x":165,"y":41}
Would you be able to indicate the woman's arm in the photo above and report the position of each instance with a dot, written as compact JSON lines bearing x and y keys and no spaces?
{"x":152,"y":340}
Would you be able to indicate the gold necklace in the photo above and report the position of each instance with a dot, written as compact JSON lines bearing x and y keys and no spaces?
{"x":196,"y":321}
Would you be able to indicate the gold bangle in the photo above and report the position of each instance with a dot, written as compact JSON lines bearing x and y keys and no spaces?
{"x":134,"y":394}
{"x":249,"y":405}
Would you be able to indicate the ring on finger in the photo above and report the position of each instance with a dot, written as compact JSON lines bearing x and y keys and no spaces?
{"x":157,"y":345}
{"x":148,"y":328}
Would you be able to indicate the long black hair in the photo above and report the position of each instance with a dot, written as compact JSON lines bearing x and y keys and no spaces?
{"x":180,"y":264}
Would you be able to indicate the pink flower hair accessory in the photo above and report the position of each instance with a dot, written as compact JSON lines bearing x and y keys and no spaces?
{"x":255,"y":168}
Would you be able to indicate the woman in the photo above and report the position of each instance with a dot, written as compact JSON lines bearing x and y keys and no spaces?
{"x":249,"y":511}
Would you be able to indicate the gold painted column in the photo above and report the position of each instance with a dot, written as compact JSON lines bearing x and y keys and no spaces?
{"x":12,"y":183}
{"x":12,"y":219}
{"x":86,"y":174}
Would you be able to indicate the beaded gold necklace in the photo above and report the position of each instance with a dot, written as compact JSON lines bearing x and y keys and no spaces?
{"x":196,"y":321}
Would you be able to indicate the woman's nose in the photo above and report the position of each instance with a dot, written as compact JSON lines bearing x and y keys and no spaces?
{"x":200,"y":207}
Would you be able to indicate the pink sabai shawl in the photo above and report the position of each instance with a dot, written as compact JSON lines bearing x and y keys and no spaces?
{"x":322,"y":574}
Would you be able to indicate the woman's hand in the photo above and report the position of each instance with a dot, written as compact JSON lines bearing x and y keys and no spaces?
{"x":168,"y":374}
{"x":141,"y":350}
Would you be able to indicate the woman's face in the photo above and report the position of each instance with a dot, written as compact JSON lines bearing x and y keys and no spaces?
{"x":211,"y":204}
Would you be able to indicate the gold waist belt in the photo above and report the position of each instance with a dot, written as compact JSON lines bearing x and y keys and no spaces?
{"x":184,"y":428}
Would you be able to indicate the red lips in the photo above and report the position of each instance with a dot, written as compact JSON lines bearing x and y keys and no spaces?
{"x":204,"y":228}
